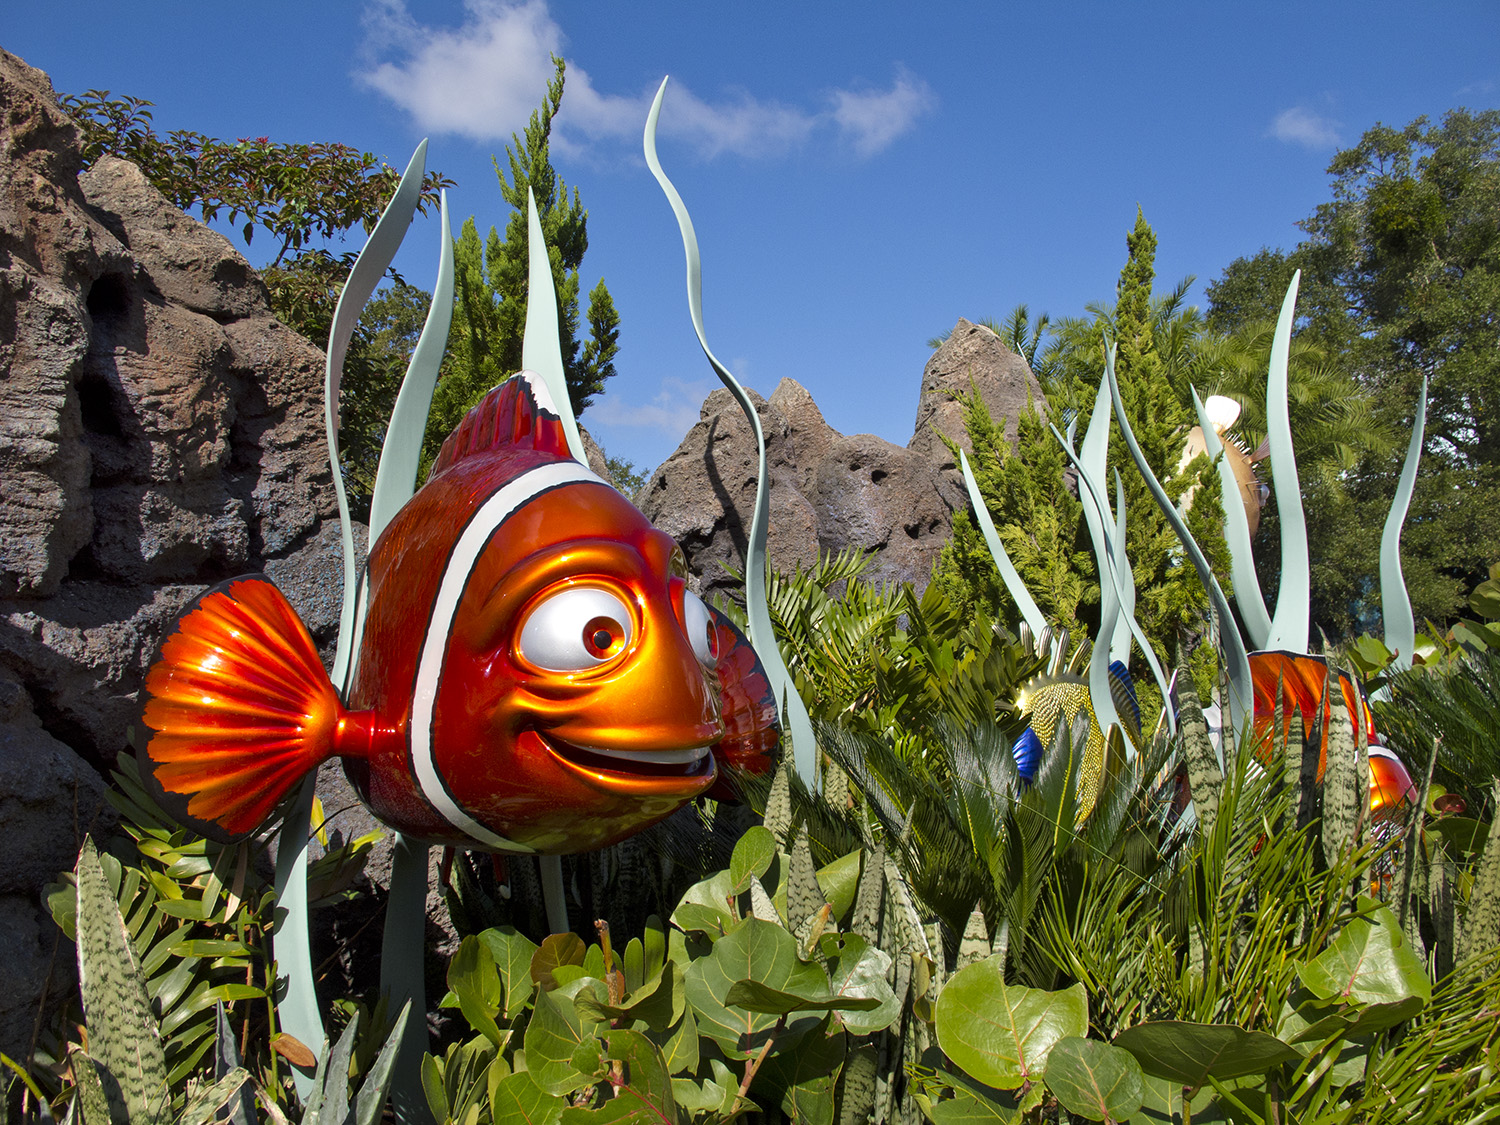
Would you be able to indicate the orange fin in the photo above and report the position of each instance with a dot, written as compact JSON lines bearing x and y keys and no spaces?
{"x":237,"y":710}
{"x":752,"y":727}
{"x":518,"y":414}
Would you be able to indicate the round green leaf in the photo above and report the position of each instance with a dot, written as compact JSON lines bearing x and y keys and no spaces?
{"x":757,"y":951}
{"x":1369,"y":962}
{"x":1094,"y":1080}
{"x":1001,"y":1034}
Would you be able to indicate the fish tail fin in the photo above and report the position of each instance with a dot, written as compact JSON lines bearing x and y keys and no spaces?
{"x":236,"y":710}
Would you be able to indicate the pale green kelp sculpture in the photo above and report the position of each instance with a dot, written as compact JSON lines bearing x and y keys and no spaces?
{"x":757,"y":609}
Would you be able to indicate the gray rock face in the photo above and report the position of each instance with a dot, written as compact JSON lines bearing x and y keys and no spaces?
{"x":159,"y":431}
{"x":828,"y":492}
{"x":971,"y":356}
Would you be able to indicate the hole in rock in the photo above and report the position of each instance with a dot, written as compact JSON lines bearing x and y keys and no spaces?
{"x":109,"y":298}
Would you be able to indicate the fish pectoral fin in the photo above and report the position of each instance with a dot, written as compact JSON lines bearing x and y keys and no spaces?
{"x":237,"y":710}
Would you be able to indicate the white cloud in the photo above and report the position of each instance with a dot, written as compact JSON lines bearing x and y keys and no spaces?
{"x":483,"y":79}
{"x":872,"y":120}
{"x":672,"y":411}
{"x":1300,"y":125}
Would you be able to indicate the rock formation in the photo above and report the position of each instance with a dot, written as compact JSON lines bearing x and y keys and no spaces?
{"x":828,"y":491}
{"x":160,"y":431}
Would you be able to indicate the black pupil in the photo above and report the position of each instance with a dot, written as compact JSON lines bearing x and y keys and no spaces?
{"x":602,"y":638}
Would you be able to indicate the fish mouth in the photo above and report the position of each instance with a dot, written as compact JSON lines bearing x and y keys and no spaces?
{"x":691,"y":764}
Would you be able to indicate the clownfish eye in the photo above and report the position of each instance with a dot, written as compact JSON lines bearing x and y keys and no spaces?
{"x":575,"y":629}
{"x":699,"y":623}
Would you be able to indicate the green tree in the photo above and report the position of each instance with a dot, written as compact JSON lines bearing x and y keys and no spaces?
{"x":1035,"y":513}
{"x":1401,"y":279}
{"x":489,"y":321}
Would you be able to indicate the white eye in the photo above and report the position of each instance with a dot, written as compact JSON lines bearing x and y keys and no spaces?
{"x":699,"y":623}
{"x":575,"y":629}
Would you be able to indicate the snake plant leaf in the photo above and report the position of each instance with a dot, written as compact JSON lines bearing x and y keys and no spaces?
{"x":975,"y":945}
{"x":1002,"y":1034}
{"x":371,"y":1098}
{"x":401,"y":453}
{"x":541,"y":345}
{"x":205,"y":1107}
{"x":754,"y":950}
{"x":1025,"y":603}
{"x":1247,"y":596}
{"x":1395,"y":602}
{"x":804,"y":895}
{"x":1480,"y":928}
{"x":1095,"y":1080}
{"x":89,"y":1098}
{"x":1192,"y":1053}
{"x":124,"y":1040}
{"x":1241,"y":694}
{"x":519,"y":1100}
{"x":1290,"y":621}
{"x":757,"y":610}
{"x":226,"y":1062}
{"x":1345,"y":789}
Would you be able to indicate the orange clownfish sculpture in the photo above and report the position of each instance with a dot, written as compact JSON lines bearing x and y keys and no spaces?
{"x":533,"y":676}
{"x":1302,"y":678}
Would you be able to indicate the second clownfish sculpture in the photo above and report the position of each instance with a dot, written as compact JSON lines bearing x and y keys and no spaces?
{"x":534,"y":675}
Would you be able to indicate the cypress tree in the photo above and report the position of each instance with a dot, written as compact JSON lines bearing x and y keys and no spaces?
{"x":490,"y":282}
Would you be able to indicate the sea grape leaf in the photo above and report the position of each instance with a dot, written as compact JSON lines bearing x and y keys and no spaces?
{"x":1094,"y":1080}
{"x":856,"y":968}
{"x":706,"y":906}
{"x":1191,"y":1053}
{"x":556,"y":951}
{"x":556,"y":1030}
{"x":752,"y":951}
{"x":512,"y":953}
{"x":1369,"y":961}
{"x":519,"y":1100}
{"x":1001,"y":1034}
{"x":753,"y":854}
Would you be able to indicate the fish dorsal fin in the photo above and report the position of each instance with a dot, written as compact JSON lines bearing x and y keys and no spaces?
{"x":519,"y":414}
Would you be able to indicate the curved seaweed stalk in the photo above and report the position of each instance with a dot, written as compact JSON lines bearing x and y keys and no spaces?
{"x":1289,"y":623}
{"x":298,"y":1010}
{"x":541,"y":345}
{"x":1111,"y":560}
{"x":756,"y":609}
{"x":1241,"y":695}
{"x":1030,"y":613}
{"x":1247,"y":595}
{"x":1395,"y":602}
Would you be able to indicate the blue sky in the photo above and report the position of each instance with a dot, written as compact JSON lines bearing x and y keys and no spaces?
{"x":860,"y":175}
